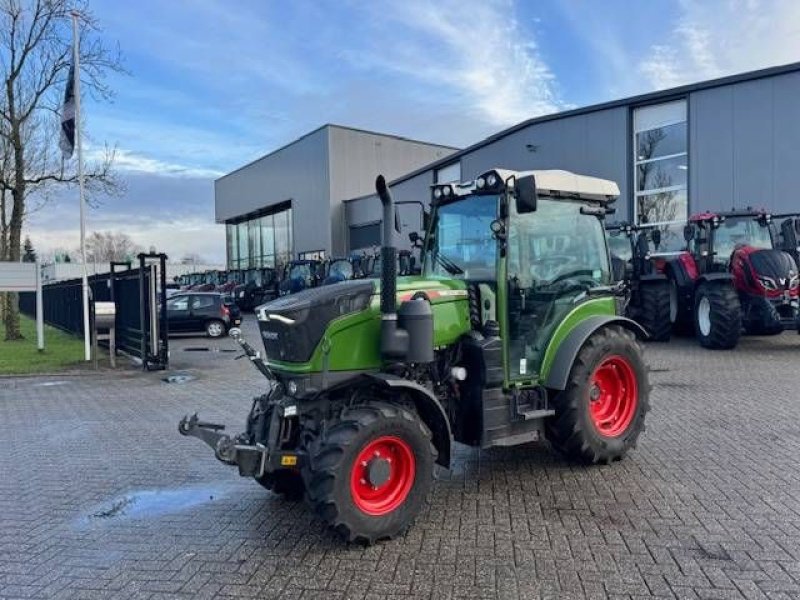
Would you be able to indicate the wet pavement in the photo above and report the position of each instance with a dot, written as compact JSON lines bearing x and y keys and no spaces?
{"x":101,"y":498}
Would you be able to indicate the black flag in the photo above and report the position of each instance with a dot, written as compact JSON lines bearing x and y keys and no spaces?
{"x":67,"y":142}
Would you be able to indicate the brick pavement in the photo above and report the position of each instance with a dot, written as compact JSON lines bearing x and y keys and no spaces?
{"x":101,"y":498}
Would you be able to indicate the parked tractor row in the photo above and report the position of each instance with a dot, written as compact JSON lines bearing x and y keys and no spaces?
{"x":716,"y":276}
{"x":252,"y":287}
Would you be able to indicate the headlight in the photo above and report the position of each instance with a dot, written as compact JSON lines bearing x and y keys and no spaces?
{"x":291,"y":388}
{"x":447,"y":190}
{"x":491,"y":180}
{"x":437,"y":193}
{"x":480,"y":183}
{"x":768,"y":282}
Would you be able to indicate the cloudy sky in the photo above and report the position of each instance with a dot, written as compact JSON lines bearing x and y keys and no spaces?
{"x":214,"y":84}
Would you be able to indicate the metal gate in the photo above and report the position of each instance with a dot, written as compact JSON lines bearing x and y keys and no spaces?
{"x":141,"y":308}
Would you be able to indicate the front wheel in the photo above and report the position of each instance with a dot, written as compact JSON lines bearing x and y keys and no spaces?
{"x":600,"y":414}
{"x":370,"y":471}
{"x":717,"y":315}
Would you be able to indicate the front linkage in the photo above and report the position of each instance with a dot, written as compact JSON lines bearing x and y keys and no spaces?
{"x":253,"y":458}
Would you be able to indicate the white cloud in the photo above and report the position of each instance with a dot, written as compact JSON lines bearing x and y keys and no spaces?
{"x":130,"y":161}
{"x":475,"y":51}
{"x":176,"y":238}
{"x":722,"y":37}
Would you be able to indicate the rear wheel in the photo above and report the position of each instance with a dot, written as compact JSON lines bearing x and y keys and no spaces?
{"x":656,"y":310}
{"x":600,"y":414}
{"x":215,"y":329}
{"x":370,"y":471}
{"x":717,"y":315}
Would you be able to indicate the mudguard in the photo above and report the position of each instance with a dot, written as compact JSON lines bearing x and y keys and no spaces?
{"x":568,"y":350}
{"x":429,"y":408}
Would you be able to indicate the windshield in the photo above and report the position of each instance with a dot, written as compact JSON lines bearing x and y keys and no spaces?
{"x":462,"y":244}
{"x":557,"y":243}
{"x":341,"y":269}
{"x":301,"y":271}
{"x":740,"y":231}
{"x":620,"y":245}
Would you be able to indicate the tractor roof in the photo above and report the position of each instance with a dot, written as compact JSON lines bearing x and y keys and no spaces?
{"x":565,"y":183}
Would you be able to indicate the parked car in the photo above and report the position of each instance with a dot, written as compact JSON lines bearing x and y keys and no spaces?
{"x":211,"y":312}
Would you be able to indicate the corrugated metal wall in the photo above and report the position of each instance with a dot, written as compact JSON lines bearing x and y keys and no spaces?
{"x":744,"y":150}
{"x":297,"y":172}
{"x":744,"y":145}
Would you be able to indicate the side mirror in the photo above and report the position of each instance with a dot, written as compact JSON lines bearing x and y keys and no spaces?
{"x":688,"y":232}
{"x":525,"y":193}
{"x":414,"y":238}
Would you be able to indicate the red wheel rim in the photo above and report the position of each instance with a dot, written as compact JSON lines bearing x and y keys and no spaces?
{"x":381,"y":494}
{"x":613,"y":396}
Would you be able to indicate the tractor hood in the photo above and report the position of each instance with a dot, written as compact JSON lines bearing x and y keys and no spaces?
{"x":292,"y":326}
{"x":764,"y":272}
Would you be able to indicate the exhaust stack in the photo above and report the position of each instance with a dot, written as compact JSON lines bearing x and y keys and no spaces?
{"x":394,"y":341}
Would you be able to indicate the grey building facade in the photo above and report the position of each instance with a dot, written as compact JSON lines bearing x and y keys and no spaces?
{"x":716,"y":145}
{"x":289,"y":203}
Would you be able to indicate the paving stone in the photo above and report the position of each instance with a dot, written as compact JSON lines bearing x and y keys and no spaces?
{"x":100,"y":498}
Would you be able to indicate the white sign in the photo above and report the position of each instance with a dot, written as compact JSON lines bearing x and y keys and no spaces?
{"x":24,"y":277}
{"x":18,"y":277}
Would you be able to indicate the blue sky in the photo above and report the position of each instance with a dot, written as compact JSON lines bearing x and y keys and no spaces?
{"x":215,"y":84}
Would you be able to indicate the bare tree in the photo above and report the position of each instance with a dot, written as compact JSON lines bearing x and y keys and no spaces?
{"x":35,"y":55}
{"x":105,"y":246}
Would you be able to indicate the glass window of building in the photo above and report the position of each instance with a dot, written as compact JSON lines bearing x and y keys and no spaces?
{"x":268,"y":240}
{"x":661,"y":162}
{"x":263,"y":241}
{"x":243,"y":261}
{"x":231,"y":246}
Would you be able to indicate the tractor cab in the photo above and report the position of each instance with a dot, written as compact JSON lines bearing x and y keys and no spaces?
{"x":530,"y":248}
{"x":301,"y":274}
{"x":339,"y":269}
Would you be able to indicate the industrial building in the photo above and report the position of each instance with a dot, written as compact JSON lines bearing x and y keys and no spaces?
{"x":289,"y":203}
{"x":714,"y":145}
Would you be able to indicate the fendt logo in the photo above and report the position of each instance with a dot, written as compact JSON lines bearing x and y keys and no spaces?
{"x":269,"y":335}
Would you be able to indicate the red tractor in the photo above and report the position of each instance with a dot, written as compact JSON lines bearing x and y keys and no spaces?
{"x":733,"y":275}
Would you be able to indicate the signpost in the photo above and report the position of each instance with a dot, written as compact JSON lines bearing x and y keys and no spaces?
{"x":25,"y":277}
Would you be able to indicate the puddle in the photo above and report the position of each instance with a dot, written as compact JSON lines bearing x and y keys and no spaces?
{"x":145,"y":504}
{"x":178,"y":378}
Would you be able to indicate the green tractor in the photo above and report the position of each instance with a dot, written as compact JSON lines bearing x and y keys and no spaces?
{"x":510,"y":335}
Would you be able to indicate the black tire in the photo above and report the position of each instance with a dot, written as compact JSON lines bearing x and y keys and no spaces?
{"x":718,"y":326}
{"x":332,"y":459}
{"x":654,"y":315}
{"x":286,"y":483}
{"x":573,"y":431}
{"x":215,"y":328}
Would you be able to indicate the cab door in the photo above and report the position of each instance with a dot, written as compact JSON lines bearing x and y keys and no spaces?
{"x":555,"y":256}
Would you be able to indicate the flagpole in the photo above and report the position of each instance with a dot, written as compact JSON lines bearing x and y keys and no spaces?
{"x":84,"y":279}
